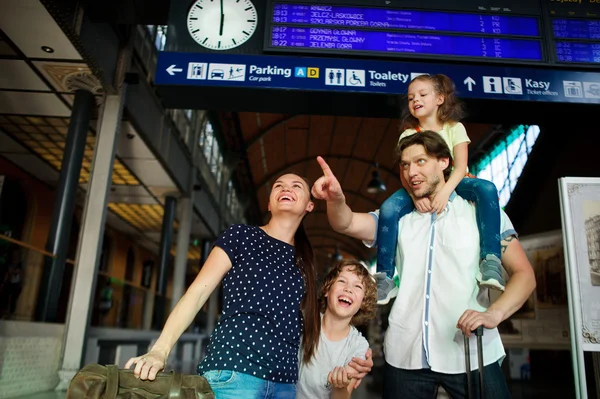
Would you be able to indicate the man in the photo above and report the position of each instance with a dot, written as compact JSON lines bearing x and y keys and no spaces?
{"x":438,"y":297}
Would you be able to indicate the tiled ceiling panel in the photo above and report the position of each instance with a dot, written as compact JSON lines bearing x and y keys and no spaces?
{"x":47,"y":138}
{"x":17,"y":75}
{"x":27,"y":103}
{"x":5,"y":48}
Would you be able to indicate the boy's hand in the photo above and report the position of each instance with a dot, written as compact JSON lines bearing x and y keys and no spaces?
{"x":338,"y":378}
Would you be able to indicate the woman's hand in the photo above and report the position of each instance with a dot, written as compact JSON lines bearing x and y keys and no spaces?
{"x":148,"y":365}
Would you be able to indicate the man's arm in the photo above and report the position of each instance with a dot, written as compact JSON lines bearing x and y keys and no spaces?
{"x":341,"y":218}
{"x":521,"y":281}
{"x":520,"y":285}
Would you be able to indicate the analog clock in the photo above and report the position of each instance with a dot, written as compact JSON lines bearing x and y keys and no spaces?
{"x":222,"y":24}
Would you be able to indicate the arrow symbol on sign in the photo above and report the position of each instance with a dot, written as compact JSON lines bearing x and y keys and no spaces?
{"x":469,"y":82}
{"x":171,"y":70}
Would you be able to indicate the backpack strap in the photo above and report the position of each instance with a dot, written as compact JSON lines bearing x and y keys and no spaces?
{"x":112,"y":382}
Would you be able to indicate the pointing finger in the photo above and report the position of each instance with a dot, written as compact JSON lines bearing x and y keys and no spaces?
{"x":326,"y":169}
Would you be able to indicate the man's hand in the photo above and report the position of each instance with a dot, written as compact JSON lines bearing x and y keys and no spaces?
{"x":363,"y":367}
{"x":472,"y":319}
{"x":327,"y":186}
{"x":423,"y":205}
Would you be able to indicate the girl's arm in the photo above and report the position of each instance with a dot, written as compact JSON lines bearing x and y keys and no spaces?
{"x":215,"y":268}
{"x":461,"y":155}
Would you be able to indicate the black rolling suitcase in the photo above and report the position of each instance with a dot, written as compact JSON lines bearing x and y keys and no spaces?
{"x":479,"y":334}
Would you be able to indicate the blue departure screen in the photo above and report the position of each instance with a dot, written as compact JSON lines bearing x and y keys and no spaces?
{"x":406,"y":43}
{"x":578,"y":52}
{"x":336,"y":29}
{"x":576,"y":29}
{"x":362,"y":17}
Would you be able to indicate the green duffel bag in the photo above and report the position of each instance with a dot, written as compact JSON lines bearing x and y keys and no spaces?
{"x":108,"y":382}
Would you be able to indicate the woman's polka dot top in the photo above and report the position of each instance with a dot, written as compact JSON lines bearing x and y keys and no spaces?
{"x":259,"y":330}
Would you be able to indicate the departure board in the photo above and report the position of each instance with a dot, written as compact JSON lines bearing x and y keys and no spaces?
{"x":393,"y":32}
{"x":575,"y":28}
{"x":576,"y":40}
{"x":518,"y":31}
{"x":587,"y":29}
{"x":357,"y":17}
{"x":395,"y":42}
{"x":577,"y":52}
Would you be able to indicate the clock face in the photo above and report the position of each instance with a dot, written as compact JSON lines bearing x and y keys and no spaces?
{"x":222,"y":24}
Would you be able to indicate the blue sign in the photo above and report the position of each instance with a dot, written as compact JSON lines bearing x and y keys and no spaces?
{"x":351,"y":40}
{"x":578,"y":52}
{"x":373,"y":76}
{"x":588,"y":29}
{"x":377,"y":17}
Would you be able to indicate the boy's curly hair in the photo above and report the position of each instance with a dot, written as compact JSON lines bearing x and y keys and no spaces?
{"x":369,"y":303}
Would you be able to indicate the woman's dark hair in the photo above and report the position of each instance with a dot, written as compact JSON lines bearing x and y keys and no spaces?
{"x":305,"y":260}
{"x":369,"y":303}
{"x":434,"y":145}
{"x":452,"y":109}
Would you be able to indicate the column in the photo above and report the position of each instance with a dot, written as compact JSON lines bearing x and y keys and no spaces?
{"x":64,"y":206}
{"x":213,"y":301}
{"x":186,"y":213}
{"x":183,"y":242}
{"x":164,"y":256}
{"x":90,"y":239}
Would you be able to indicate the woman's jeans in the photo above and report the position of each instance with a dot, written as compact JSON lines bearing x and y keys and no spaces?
{"x":227,"y":384}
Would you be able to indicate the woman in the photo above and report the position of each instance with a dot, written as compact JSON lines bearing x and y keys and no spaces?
{"x":268,"y":275}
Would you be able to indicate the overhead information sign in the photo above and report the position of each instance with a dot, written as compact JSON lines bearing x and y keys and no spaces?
{"x":372,"y":76}
{"x":468,"y":35}
{"x":555,"y":32}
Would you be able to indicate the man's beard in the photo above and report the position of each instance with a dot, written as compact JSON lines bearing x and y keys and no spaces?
{"x":433,"y":182}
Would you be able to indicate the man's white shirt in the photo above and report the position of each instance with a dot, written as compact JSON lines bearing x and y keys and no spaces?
{"x":437,"y":284}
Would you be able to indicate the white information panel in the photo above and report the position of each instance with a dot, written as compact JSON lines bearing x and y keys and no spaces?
{"x":580,"y":209}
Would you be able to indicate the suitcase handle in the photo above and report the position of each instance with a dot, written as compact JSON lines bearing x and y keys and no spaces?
{"x":479,"y":334}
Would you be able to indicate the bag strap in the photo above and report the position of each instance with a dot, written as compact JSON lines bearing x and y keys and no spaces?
{"x":175,"y":391}
{"x":112,"y":382}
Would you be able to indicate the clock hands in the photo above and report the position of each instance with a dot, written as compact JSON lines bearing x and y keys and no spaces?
{"x":222,"y":20}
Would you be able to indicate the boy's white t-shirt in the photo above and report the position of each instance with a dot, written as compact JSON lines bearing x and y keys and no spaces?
{"x":312,"y":377}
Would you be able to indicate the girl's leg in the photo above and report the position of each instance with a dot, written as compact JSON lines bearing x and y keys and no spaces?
{"x":487,"y":211}
{"x":396,"y":206}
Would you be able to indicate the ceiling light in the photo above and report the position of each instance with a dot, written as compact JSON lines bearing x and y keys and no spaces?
{"x":337,"y":255}
{"x":47,"y":49}
{"x":376,"y":186}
